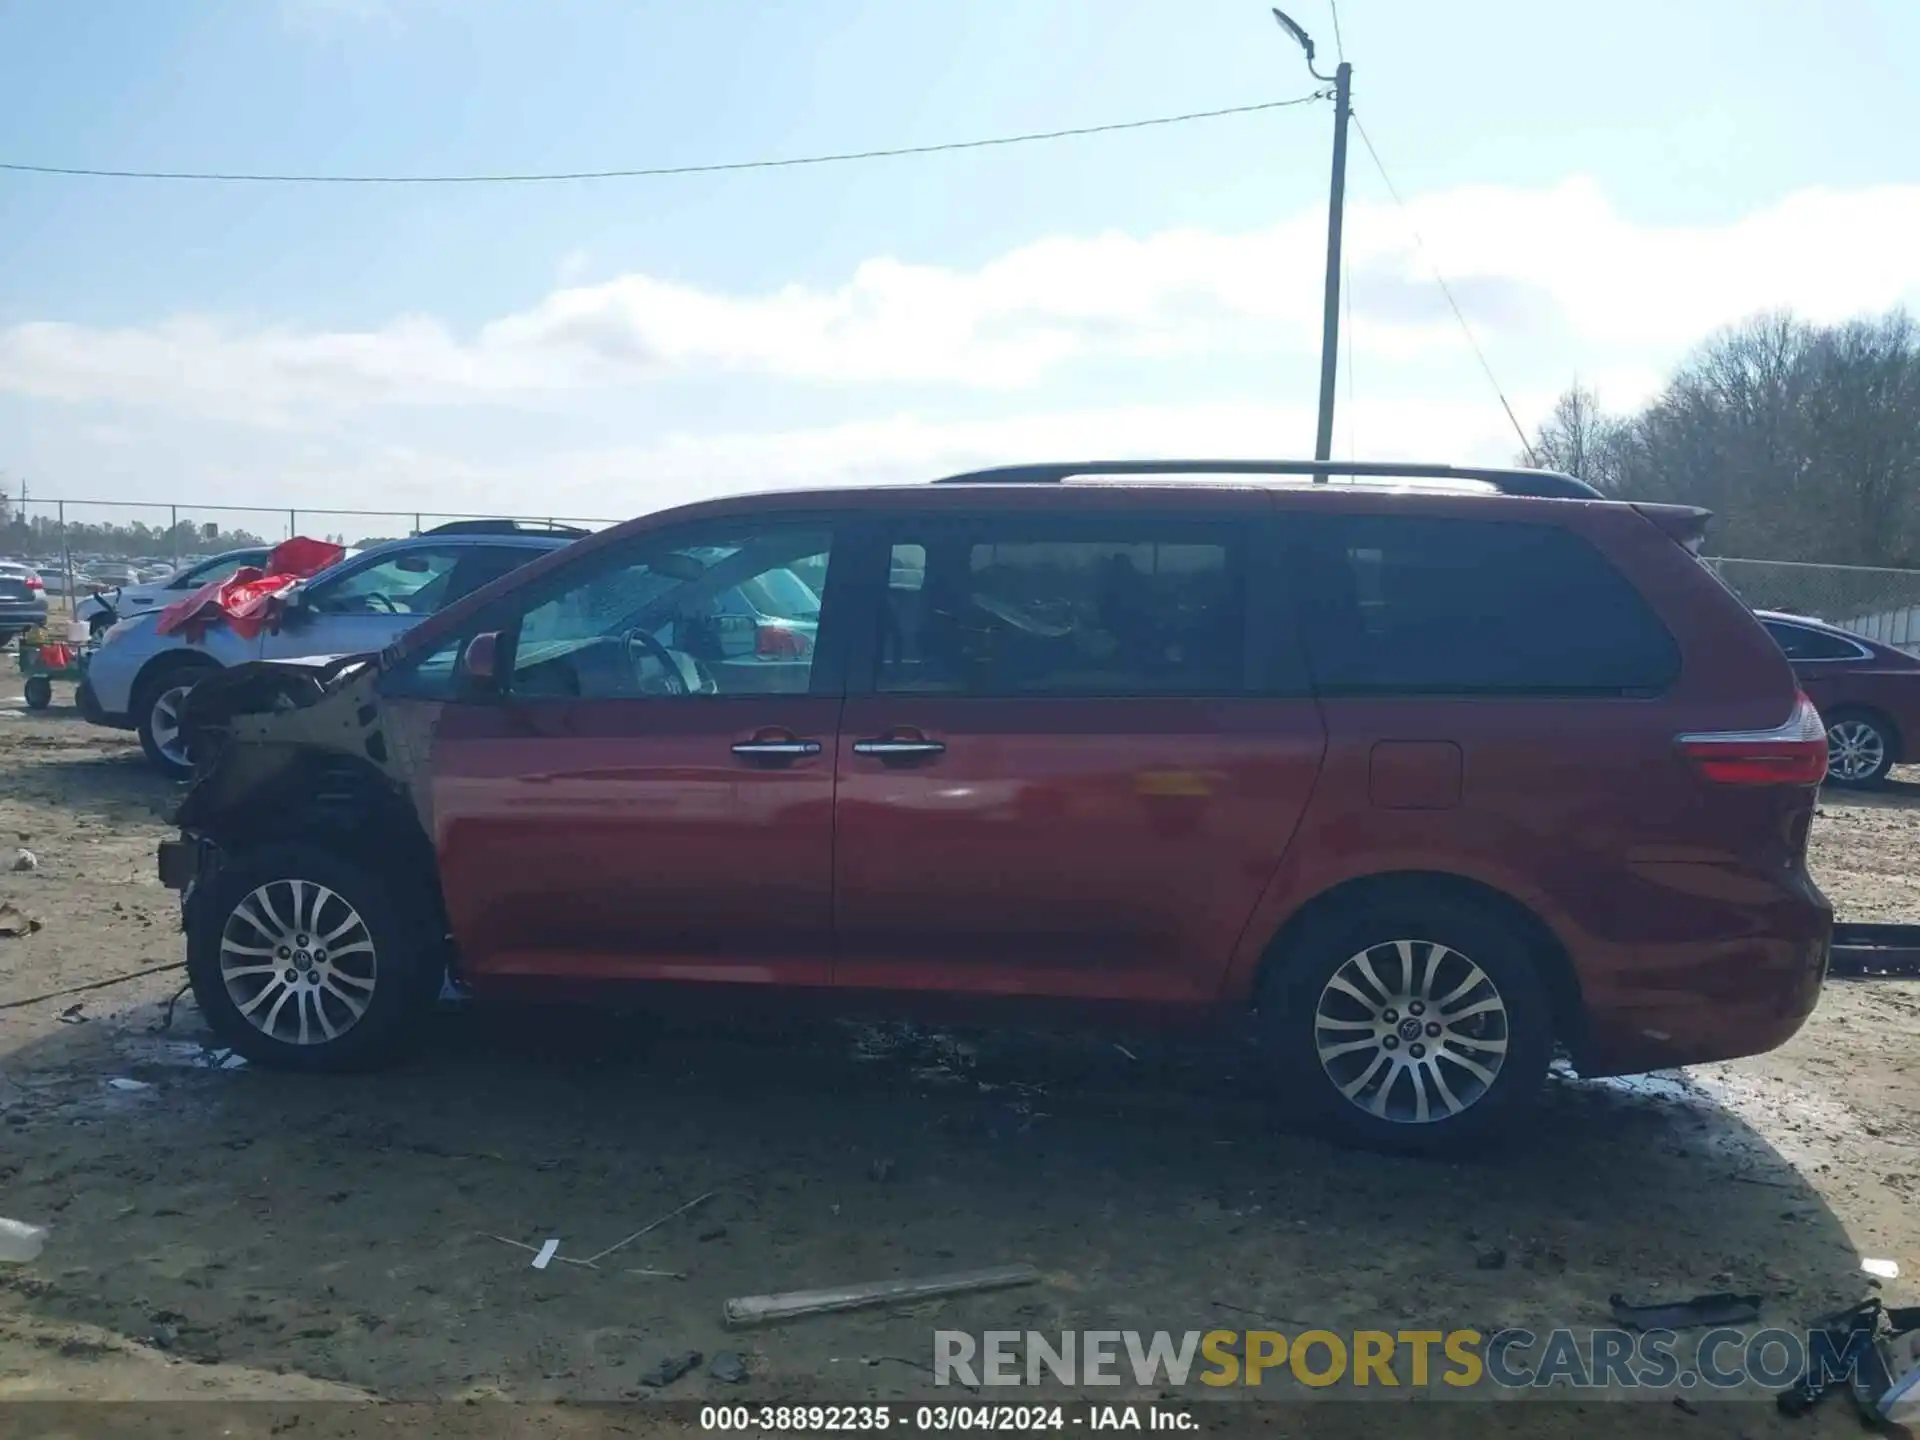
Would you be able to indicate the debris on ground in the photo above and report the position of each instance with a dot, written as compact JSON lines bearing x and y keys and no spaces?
{"x":1899,"y":1405}
{"x":1883,"y":1376}
{"x":1881,"y":1269}
{"x":120,"y":1082}
{"x":651,"y":1226}
{"x":880,"y":1171}
{"x":794,"y":1304}
{"x":72,"y":1016}
{"x":1719,"y":1308}
{"x":544,"y":1256}
{"x":728,"y":1368}
{"x":20,"y":1243}
{"x":24,"y":860}
{"x":1489,"y":1257}
{"x":670,"y":1369}
{"x":14,"y":921}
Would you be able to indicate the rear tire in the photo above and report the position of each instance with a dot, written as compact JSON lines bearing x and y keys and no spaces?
{"x":156,"y":710}
{"x":1417,"y":1023}
{"x":39,"y":692}
{"x":1860,"y":750}
{"x":361,"y":961}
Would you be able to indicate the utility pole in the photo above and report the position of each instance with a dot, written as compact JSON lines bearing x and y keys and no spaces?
{"x":1342,"y":82}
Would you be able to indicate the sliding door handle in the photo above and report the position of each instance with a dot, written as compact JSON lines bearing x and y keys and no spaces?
{"x":891,"y":748}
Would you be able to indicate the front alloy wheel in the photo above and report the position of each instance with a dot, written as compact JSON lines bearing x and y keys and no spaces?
{"x":302,"y":960}
{"x":163,"y":722}
{"x":1411,"y":1031}
{"x":298,"y":962}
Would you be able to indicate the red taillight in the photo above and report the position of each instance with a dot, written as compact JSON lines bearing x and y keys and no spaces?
{"x":780,"y":642}
{"x":34,"y":582}
{"x":1791,"y":754}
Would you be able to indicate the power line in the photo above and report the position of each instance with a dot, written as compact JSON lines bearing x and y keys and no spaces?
{"x":656,"y":171}
{"x":1445,"y":289}
{"x":1339,"y":45}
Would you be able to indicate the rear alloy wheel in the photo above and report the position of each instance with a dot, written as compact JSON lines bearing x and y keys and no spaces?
{"x":1417,"y":1025}
{"x":157,"y":709}
{"x":1411,"y":1031}
{"x":1859,"y":751}
{"x":300,"y":960}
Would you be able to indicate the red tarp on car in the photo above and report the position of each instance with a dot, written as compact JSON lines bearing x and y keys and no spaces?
{"x":250,"y":599}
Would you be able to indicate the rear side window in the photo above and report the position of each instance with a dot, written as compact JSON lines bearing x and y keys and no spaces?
{"x":1003,"y":608}
{"x":1801,"y":642}
{"x":1421,"y":605}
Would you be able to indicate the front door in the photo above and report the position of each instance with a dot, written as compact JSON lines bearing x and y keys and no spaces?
{"x":1076,"y":766}
{"x":650,"y":794}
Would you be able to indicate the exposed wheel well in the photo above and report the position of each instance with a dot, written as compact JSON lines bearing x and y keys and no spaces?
{"x":1878,"y":717}
{"x":1556,"y":967}
{"x":345,"y":804}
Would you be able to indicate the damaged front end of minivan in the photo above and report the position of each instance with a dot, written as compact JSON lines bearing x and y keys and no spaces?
{"x":305,"y":751}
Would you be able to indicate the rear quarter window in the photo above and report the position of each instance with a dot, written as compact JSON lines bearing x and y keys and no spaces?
{"x":1427,"y":605}
{"x":1802,"y":642}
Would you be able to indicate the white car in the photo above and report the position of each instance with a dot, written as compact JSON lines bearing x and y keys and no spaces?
{"x":138,"y":677}
{"x":123,"y":601}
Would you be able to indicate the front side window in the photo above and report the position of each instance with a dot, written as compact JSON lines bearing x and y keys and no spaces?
{"x":1418,"y":605}
{"x":414,"y":582}
{"x":716,"y":614}
{"x":1000,"y":609}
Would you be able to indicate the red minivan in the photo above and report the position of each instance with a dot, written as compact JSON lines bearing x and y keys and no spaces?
{"x":1420,"y":772}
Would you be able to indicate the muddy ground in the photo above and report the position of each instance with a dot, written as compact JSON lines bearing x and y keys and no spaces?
{"x":227,"y":1234}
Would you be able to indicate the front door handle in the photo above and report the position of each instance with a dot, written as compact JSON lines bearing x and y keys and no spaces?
{"x":888,"y":747}
{"x":776,"y":749}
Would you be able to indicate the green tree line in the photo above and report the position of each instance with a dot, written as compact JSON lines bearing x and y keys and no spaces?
{"x":41,"y":536}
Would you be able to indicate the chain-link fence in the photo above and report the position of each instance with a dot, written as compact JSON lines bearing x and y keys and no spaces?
{"x":79,"y":544}
{"x":1882,"y":605}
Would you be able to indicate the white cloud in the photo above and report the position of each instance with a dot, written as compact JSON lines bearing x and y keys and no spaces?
{"x":1556,"y":268}
{"x":616,"y":397}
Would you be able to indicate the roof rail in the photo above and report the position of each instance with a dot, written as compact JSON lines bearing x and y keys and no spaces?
{"x":1543,"y":484}
{"x":507,"y":527}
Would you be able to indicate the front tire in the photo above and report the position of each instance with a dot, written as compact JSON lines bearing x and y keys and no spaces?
{"x":39,"y":692}
{"x":156,"y":708}
{"x":301,"y":960}
{"x":1417,"y":1023}
{"x":1860,"y":750}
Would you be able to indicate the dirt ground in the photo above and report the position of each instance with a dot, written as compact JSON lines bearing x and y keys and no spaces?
{"x":224,"y":1234}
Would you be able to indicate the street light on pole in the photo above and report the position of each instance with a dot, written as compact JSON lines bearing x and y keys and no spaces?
{"x":1342,"y":81}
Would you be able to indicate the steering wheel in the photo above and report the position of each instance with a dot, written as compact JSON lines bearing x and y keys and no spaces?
{"x":672,"y":681}
{"x":386,"y":604}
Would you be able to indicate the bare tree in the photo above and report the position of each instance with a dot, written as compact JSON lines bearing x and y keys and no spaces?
{"x":1581,"y":439}
{"x":1804,"y":441}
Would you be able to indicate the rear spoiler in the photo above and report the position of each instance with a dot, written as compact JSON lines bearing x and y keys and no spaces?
{"x":1686,"y":524}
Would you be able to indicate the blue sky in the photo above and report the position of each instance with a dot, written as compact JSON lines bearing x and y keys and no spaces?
{"x":1603,"y":184}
